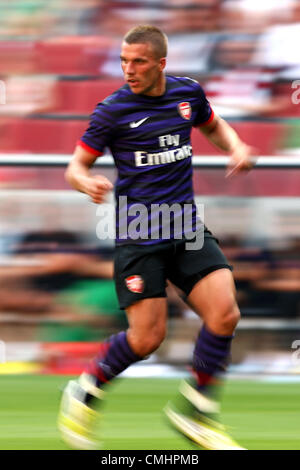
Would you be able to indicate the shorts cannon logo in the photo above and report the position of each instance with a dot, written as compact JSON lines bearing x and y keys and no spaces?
{"x":185,"y":110}
{"x":135,"y":284}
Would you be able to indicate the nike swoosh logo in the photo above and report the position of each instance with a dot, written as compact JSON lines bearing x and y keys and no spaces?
{"x":138,"y":123}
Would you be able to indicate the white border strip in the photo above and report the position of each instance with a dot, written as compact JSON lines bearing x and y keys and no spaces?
{"x":198,"y":161}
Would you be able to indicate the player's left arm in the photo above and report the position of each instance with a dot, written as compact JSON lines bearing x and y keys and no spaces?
{"x":223,"y":136}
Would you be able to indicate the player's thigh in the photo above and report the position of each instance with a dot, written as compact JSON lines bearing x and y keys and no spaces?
{"x":213,"y":296}
{"x":148,"y":317}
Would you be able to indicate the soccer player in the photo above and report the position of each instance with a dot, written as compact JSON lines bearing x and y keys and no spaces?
{"x":147,"y":125}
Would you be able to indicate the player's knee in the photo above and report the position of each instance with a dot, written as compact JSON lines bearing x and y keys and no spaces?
{"x":153,"y":341}
{"x":230,"y":317}
{"x":147,"y":342}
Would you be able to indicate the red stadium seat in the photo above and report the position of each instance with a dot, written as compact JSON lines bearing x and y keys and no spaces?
{"x":82,"y":96}
{"x":73,"y":55}
{"x":73,"y":130}
{"x":262,"y":183}
{"x":67,"y":358}
{"x":40,"y":135}
{"x":60,"y":136}
{"x":267,"y":137}
{"x":18,"y":57}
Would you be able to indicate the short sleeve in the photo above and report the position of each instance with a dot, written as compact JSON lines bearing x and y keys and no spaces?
{"x":205,"y":113}
{"x":99,"y":133}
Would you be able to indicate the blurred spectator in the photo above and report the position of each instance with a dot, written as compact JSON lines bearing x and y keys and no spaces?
{"x":252,"y":16}
{"x":281,"y":284}
{"x":190,"y":53}
{"x":277,"y":46}
{"x":24,"y":19}
{"x":29,"y":94}
{"x":235,"y":88}
{"x":49,"y":278}
{"x":238,"y":86}
{"x":267,"y":279}
{"x":77,"y":17}
{"x":200,"y":16}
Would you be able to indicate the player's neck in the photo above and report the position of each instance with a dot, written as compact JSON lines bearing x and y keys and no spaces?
{"x":159,"y":88}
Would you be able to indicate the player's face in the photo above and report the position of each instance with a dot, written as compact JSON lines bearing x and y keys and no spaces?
{"x":142,"y":70}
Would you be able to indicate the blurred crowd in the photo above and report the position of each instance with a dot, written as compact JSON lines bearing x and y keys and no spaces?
{"x":58,"y":59}
{"x":61,"y":285}
{"x":53,"y":281}
{"x":244,"y":51}
{"x":28,"y":19}
{"x":267,"y":277}
{"x":56,"y":276}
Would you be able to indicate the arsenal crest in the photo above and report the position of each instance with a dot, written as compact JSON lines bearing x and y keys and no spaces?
{"x":185,"y":110}
{"x":135,"y":284}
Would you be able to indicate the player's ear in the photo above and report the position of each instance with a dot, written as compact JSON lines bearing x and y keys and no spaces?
{"x":162,"y":63}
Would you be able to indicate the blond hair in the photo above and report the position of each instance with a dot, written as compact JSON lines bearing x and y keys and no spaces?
{"x":146,"y":33}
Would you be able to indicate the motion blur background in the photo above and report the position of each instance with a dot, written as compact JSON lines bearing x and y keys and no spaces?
{"x":59,"y":59}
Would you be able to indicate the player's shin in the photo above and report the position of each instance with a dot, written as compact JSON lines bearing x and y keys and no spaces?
{"x":199,"y":396}
{"x":114,"y":356}
{"x":210,"y":360}
{"x":195,"y":412}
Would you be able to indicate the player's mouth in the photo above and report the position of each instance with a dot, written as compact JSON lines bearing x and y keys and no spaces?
{"x":132,"y":82}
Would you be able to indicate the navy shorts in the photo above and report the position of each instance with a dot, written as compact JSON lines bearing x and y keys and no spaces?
{"x":141,"y":271}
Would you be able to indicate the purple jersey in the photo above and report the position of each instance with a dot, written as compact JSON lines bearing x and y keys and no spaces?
{"x":150,"y":140}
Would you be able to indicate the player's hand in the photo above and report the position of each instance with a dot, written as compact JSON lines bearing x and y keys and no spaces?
{"x":241,"y":159}
{"x":97,"y":188}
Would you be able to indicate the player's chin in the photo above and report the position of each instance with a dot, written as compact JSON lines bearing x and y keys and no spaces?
{"x":137,"y":89}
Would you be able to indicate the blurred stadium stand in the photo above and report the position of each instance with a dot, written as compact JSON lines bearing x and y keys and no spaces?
{"x":55,"y":78}
{"x":59,"y":59}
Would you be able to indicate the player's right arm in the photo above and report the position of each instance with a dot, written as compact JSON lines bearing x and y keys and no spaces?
{"x":79,"y":177}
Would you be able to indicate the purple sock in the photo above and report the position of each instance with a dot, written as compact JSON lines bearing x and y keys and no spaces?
{"x":210,"y":358}
{"x":114,"y":356}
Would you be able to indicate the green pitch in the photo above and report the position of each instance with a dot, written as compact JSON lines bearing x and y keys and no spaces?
{"x":259,"y":415}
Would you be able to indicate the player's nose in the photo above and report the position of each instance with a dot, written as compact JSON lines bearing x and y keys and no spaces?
{"x":129,"y":68}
